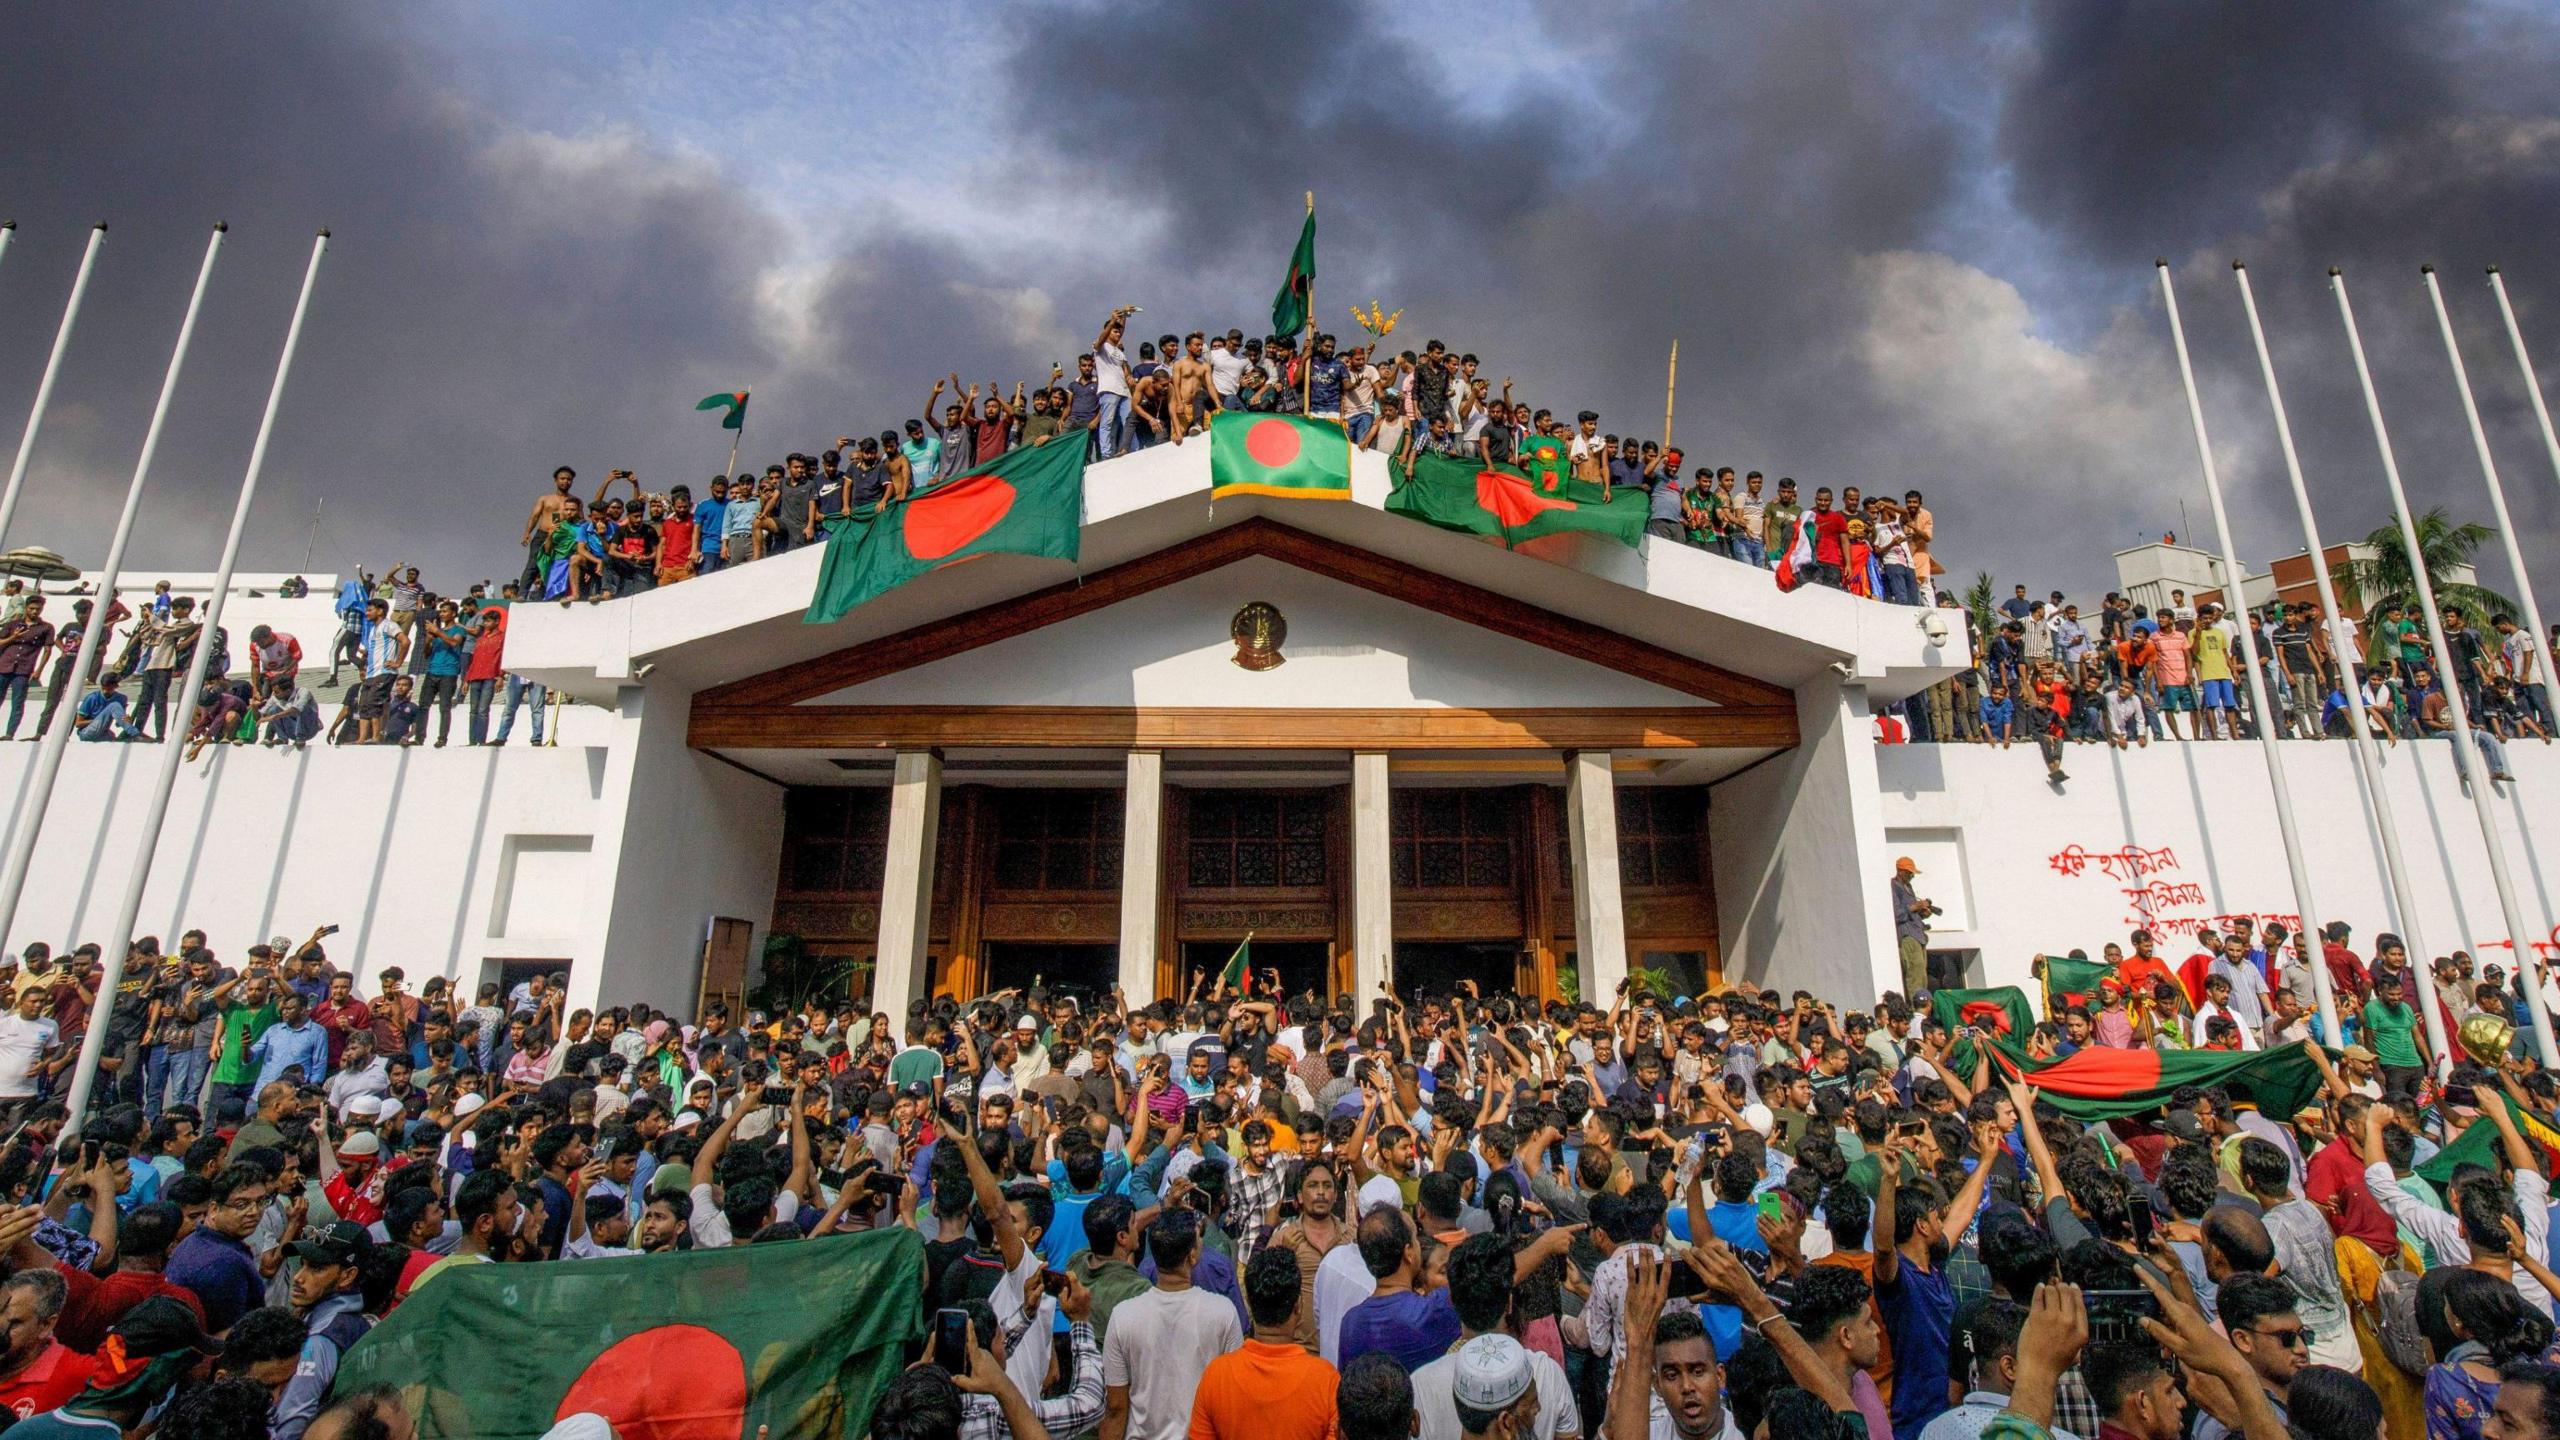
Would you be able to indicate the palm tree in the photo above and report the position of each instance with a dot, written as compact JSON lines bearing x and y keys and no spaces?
{"x":2386,"y":579}
{"x":1978,"y":603}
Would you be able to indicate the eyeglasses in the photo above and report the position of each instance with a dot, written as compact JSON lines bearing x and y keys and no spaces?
{"x":240,"y":1204}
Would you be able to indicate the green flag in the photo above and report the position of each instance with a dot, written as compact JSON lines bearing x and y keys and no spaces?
{"x":1288,"y":455}
{"x":2069,"y":982}
{"x":1509,"y":504}
{"x":2101,"y":1082}
{"x":1237,"y":965}
{"x":1998,"y":1013}
{"x":1289,"y":307}
{"x":733,"y":401}
{"x":1028,"y":501}
{"x":2480,"y":1143}
{"x":798,"y":1336}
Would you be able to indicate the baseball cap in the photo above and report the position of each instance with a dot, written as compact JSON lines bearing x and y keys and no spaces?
{"x":361,"y":1144}
{"x":340,"y":1242}
{"x":2358,"y":1052}
{"x":1492,"y":1373}
{"x":2183,"y":1125}
{"x":1907,"y":863}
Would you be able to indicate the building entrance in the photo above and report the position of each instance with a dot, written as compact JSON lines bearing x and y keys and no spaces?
{"x":1085,"y":971}
{"x":1302,"y":964}
{"x":1438,"y":968}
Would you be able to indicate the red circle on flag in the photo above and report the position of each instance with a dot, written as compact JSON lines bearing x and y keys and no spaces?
{"x":1272,"y":443}
{"x":671,"y":1382}
{"x":948,"y":519}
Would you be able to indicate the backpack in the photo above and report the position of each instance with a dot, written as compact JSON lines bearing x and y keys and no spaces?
{"x":2396,"y":1316}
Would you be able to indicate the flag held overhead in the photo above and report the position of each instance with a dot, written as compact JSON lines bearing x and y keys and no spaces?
{"x":733,"y":401}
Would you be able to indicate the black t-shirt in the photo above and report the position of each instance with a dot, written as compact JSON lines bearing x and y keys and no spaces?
{"x":634,"y":542}
{"x":2464,"y":646}
{"x":798,"y":497}
{"x":865,"y":484}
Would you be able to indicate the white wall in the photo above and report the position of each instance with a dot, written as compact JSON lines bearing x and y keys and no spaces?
{"x":1801,"y":877}
{"x":1984,"y":823}
{"x":407,"y":851}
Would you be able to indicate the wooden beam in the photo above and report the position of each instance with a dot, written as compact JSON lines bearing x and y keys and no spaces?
{"x":916,"y":727}
{"x":1395,"y":579}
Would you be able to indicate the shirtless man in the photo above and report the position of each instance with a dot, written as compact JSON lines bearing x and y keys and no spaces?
{"x":901,"y":475}
{"x":1194,"y":387}
{"x":537,"y":528}
{"x":1150,"y":400}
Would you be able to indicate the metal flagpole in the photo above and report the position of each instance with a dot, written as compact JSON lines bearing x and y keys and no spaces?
{"x":31,"y":813}
{"x":1307,"y":361}
{"x":2367,"y":750}
{"x":8,"y":231}
{"x":2306,"y":913}
{"x":2467,"y":757}
{"x":173,"y":747}
{"x":44,"y":387}
{"x":2550,"y":447}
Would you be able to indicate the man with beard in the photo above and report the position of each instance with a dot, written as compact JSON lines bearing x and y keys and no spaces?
{"x":1316,"y":1231}
{"x":1912,"y":1241}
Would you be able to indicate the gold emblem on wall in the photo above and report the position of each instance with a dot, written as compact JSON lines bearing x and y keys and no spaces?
{"x":1259,"y":631}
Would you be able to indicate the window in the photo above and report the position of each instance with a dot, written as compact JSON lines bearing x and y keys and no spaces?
{"x":1057,"y":839}
{"x":1248,"y":841}
{"x":1658,"y":835}
{"x":1452,"y":839}
{"x":835,"y":840}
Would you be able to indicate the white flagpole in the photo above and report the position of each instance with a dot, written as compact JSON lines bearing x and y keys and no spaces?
{"x":2467,"y":758}
{"x":31,"y":812}
{"x":8,"y":232}
{"x":173,"y":747}
{"x":2367,"y":750}
{"x":44,"y":387}
{"x":2308,"y":928}
{"x":2541,"y":638}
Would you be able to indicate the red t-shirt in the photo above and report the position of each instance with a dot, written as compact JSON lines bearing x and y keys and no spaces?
{"x":90,"y":1311}
{"x":675,"y":545}
{"x":56,"y":1375}
{"x":341,"y":1021}
{"x":2334,"y":1181}
{"x":1830,"y":527}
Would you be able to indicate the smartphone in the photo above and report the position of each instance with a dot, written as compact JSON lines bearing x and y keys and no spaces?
{"x":2143,"y":1220}
{"x":951,"y":1340}
{"x":1053,"y":1282}
{"x":1912,"y":1129}
{"x":604,"y":1149}
{"x":2115,"y":1316}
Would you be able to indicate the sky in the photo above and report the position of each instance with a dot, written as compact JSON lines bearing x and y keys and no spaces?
{"x":1900,"y":246}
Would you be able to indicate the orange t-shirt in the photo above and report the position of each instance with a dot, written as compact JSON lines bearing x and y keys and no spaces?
{"x":1264,"y":1390}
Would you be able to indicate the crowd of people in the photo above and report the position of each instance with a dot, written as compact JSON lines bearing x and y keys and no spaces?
{"x":1738,"y":1213}
{"x":2049,"y":676}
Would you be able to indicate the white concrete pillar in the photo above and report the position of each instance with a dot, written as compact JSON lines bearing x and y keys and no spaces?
{"x":906,"y":884}
{"x":1141,"y":875}
{"x":1373,"y":927}
{"x":1599,"y":909}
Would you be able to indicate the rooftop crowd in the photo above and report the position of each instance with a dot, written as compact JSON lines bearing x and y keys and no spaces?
{"x":1741,"y":1213}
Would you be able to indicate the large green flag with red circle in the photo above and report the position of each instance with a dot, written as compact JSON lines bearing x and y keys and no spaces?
{"x":1286,"y":455}
{"x":1028,"y":501}
{"x":1511,"y":504}
{"x":799,"y":1336}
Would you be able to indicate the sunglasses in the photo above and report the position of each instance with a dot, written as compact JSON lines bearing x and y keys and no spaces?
{"x":2297,"y":1335}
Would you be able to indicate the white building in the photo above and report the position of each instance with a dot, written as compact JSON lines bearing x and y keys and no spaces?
{"x":1533,"y":769}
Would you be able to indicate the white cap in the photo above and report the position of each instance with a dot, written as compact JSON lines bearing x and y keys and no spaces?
{"x":1492,"y":1373}
{"x":362,"y":1143}
{"x":368,"y":1107}
{"x":468,"y":1106}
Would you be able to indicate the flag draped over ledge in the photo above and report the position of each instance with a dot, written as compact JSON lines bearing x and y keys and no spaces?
{"x":680,"y":1344}
{"x":1286,"y":455}
{"x":1511,"y":504}
{"x":1024,"y":502}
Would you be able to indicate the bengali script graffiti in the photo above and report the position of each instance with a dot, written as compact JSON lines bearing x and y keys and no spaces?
{"x":2132,"y":862}
{"x":2157,"y":895}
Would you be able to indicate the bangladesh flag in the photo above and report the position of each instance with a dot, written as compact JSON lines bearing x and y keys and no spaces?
{"x":1510,"y":504}
{"x":2069,"y":981}
{"x":1024,"y":502}
{"x":733,"y":401}
{"x":799,"y":1336}
{"x":2000,"y":1013}
{"x":2480,"y":1145}
{"x":1297,"y":292}
{"x":1239,"y":965}
{"x":2100,"y":1082}
{"x":1287,"y":455}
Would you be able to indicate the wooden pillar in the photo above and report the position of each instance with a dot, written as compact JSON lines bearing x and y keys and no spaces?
{"x":1537,"y":873}
{"x":965,"y":971}
{"x":1141,"y":875}
{"x":1372,"y":879}
{"x":906,"y":884}
{"x":1599,"y":907}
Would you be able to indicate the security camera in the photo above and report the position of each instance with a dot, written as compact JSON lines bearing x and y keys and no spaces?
{"x":1844,"y":669}
{"x":1934,"y":625}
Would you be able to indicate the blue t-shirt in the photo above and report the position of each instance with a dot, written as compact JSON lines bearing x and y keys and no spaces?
{"x":711,"y":515}
{"x":1324,"y":386}
{"x":739,"y":520}
{"x":1413,"y":1329}
{"x":1664,"y":502}
{"x":1919,"y":1313}
{"x":1736,"y":1223}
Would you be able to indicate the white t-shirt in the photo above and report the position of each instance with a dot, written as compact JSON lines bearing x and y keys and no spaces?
{"x":1027,"y":1366}
{"x":711,"y":1228}
{"x":1435,"y":1400}
{"x":1226,"y":371}
{"x":22,"y":1046}
{"x":1111,"y":369}
{"x":1342,"y":1282}
{"x":1159,"y":1345}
